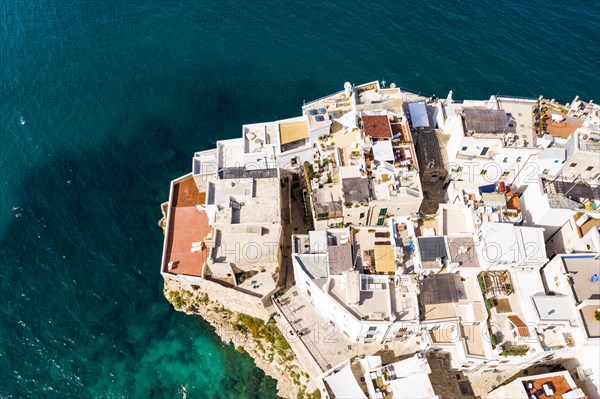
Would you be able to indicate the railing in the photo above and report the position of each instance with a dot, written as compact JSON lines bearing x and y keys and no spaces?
{"x":516,"y":98}
{"x":323,"y":366}
{"x":322,"y":98}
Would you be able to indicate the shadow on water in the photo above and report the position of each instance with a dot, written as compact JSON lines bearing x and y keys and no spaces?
{"x":83,"y":311}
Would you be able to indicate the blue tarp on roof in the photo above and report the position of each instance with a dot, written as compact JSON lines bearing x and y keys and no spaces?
{"x":490,"y":188}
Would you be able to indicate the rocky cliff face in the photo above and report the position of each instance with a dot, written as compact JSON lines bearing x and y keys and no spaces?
{"x":263,"y":342}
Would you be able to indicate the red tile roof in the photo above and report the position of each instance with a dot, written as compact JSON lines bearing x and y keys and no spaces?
{"x":521,"y":326}
{"x":187,"y":225}
{"x":558,"y":383}
{"x":377,"y":126}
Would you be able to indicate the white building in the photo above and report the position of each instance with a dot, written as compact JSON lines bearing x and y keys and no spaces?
{"x":504,"y":245}
{"x":575,"y":280}
{"x":490,"y":140}
{"x":550,"y":203}
{"x":409,"y":378}
{"x":365,"y":167}
{"x":365,"y":307}
{"x":223,"y":229}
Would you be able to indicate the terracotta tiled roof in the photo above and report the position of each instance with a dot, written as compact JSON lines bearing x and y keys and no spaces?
{"x":521,"y":327}
{"x":558,"y":383}
{"x":377,"y":126}
{"x":187,"y":225}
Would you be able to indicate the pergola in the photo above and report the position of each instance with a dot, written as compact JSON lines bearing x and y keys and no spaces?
{"x":497,"y":282}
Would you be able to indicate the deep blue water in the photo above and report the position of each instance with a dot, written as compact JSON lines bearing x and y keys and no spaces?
{"x":117,"y":95}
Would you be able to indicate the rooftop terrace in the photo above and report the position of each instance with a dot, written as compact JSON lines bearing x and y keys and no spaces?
{"x":589,"y":142}
{"x":364,"y":242}
{"x":463,"y":251}
{"x":570,"y":189}
{"x":581,"y":270}
{"x":318,"y":117}
{"x":187,"y":225}
{"x":374,"y":303}
{"x":257,"y":136}
{"x":356,"y":190}
{"x":557,"y":383}
{"x":457,"y":220}
{"x":377,"y":126}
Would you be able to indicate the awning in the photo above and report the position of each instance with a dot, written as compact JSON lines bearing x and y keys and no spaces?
{"x":490,"y":188}
{"x":292,"y":131}
{"x":385,"y":260}
{"x":348,"y":120}
{"x":383,"y":151}
{"x":418,"y":114}
{"x":494,"y":199}
{"x":344,"y":385}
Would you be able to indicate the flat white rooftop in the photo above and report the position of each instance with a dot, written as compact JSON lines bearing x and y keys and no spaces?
{"x":374,"y":304}
{"x":231,"y":153}
{"x":457,"y":220}
{"x":505,"y":243}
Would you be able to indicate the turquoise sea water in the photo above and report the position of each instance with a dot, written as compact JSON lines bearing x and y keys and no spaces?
{"x":117,"y":95}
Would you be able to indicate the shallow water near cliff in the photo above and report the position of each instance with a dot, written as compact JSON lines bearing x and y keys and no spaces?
{"x":116,"y":96}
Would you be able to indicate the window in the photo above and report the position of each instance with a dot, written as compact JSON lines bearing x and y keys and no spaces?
{"x":380,"y":221}
{"x":556,"y":281}
{"x":518,"y":159}
{"x":573,"y":165}
{"x":308,"y":292}
{"x":372,"y":329}
{"x":382,"y":211}
{"x":483,"y":172}
{"x":503,"y":361}
{"x":545,"y":171}
{"x":505,"y":160}
{"x":505,"y":173}
{"x":362,"y":215}
{"x":485,"y":150}
{"x":464,"y":148}
{"x":589,"y":168}
{"x":370,"y":336}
